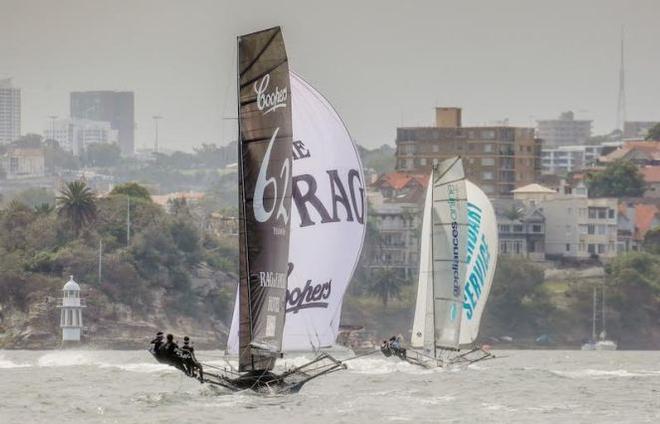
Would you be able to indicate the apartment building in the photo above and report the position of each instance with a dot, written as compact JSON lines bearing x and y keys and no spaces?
{"x":497,"y":158}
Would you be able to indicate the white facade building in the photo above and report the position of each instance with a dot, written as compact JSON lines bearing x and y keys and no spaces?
{"x":579,"y":227}
{"x":74,"y":135}
{"x":10,"y":111}
{"x":564,"y":131}
{"x":23,"y":162}
{"x":71,"y":316}
{"x":563,"y":159}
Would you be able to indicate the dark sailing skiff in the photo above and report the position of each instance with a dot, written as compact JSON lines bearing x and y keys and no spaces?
{"x":265,"y":184}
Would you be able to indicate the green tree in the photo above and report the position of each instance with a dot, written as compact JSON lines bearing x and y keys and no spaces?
{"x":386,"y":284}
{"x":654,"y":133}
{"x":620,"y":178}
{"x":634,"y":292}
{"x":133,"y":190}
{"x":517,"y":303}
{"x":77,"y":203}
{"x":652,"y":241}
{"x":57,"y":158}
{"x":44,"y":209}
{"x":514,"y":213}
{"x":102,"y":154}
{"x":34,"y":197}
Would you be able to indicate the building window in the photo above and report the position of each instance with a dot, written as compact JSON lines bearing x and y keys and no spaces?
{"x":536,"y":228}
{"x":601,"y":248}
{"x":602,"y":229}
{"x":611,"y":213}
{"x":487,"y":175}
{"x":487,"y":161}
{"x":435,"y":148}
{"x":591,"y":229}
{"x":591,"y":249}
{"x":422,"y":161}
{"x":568,"y":247}
{"x":517,"y":228}
{"x":505,"y":228}
{"x":488,"y":148}
{"x":488,"y":135}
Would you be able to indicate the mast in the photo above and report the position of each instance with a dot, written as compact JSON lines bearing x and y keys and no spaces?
{"x":603,"y":332}
{"x":265,"y":155}
{"x":593,"y":318}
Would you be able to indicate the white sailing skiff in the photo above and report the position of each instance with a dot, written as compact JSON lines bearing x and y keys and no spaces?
{"x":458,"y":254}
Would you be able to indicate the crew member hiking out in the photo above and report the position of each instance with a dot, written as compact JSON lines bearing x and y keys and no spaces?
{"x":156,"y":345}
{"x":193,"y":367}
{"x":171,"y":353}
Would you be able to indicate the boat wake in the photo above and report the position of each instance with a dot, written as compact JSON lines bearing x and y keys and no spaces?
{"x":8,"y":364}
{"x":604,"y":374}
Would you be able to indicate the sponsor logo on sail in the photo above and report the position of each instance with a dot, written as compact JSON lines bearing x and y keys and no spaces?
{"x":477,"y":278}
{"x":263,"y":181}
{"x":453,"y":216}
{"x":269,"y":101}
{"x":311,"y":296}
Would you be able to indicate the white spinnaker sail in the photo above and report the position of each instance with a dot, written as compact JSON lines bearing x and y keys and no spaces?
{"x":422,"y":333}
{"x":449,"y":251}
{"x":482,"y":247}
{"x":327,"y":222}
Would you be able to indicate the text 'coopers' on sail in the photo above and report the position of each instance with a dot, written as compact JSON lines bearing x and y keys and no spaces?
{"x":265,"y":161}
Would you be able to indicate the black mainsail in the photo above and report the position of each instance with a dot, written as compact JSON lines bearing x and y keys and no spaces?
{"x":264,"y":180}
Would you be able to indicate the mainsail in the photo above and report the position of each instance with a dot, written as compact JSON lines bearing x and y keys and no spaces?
{"x":482,"y":247}
{"x":327,"y":222}
{"x":448,"y":247}
{"x":264,"y":177}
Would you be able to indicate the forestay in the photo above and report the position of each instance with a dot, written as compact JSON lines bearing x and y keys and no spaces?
{"x":423,"y":333}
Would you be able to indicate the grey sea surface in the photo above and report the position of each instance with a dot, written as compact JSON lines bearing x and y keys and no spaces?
{"x":518,"y":387}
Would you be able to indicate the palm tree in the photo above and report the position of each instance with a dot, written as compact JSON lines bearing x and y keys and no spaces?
{"x":386,"y":284}
{"x":44,"y":209}
{"x":514,"y":214}
{"x":77,"y":203}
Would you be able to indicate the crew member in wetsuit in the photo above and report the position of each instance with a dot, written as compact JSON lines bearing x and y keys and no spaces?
{"x":396,"y":348}
{"x":385,"y":348}
{"x":156,"y":343}
{"x":190,"y":361}
{"x":171,"y":353}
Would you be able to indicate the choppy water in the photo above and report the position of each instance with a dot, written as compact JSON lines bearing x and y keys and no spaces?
{"x":520,"y":387}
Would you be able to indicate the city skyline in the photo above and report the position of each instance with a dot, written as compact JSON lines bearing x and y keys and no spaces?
{"x":512,"y":61}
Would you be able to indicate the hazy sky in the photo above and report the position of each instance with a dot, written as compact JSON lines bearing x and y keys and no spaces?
{"x":380,"y":62}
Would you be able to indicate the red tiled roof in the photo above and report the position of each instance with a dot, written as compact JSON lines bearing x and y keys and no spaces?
{"x":650,"y":148}
{"x":644,"y":219}
{"x":651,"y":174}
{"x":399,"y":180}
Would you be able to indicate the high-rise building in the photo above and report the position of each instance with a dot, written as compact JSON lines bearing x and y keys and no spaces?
{"x":10,"y":111}
{"x":563,"y":159}
{"x":565,"y":131}
{"x":115,"y":107}
{"x":497,"y":158}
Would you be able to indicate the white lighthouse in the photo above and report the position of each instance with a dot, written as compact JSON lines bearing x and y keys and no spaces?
{"x":71,"y":316}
